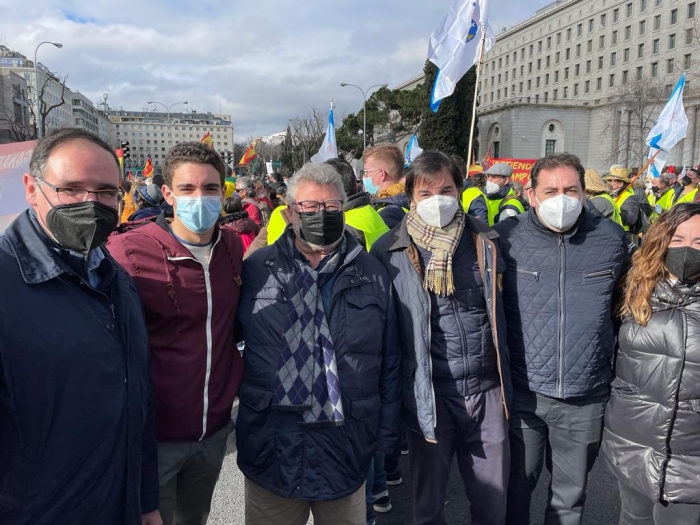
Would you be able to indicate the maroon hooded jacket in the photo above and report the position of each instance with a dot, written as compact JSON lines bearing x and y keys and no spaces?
{"x":195,"y":365}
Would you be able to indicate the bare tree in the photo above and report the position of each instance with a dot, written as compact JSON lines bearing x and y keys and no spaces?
{"x":44,"y":107}
{"x":307,"y":135}
{"x":635,"y":107}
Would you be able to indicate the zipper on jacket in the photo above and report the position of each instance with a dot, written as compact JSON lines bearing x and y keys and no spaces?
{"x":562,"y":274}
{"x":609,"y":271}
{"x":536,"y":275}
{"x":207,"y":376}
{"x":462,"y":336}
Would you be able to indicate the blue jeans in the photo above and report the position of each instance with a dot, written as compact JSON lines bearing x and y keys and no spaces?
{"x":376,"y":483}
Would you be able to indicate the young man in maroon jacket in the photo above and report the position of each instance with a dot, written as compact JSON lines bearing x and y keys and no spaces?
{"x":187,"y":271}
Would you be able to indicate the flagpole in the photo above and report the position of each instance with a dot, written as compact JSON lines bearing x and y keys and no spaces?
{"x":476,"y":91}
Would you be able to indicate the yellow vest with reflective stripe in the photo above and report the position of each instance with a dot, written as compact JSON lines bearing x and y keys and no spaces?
{"x":276,"y":225}
{"x":616,"y":213}
{"x":368,"y":221}
{"x":688,"y":197}
{"x":665,"y":201}
{"x":619,"y":201}
{"x":468,"y":197}
{"x":494,"y":205}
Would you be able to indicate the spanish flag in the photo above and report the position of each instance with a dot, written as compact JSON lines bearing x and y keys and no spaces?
{"x":148,"y":169}
{"x":207,"y":140}
{"x":248,"y":156}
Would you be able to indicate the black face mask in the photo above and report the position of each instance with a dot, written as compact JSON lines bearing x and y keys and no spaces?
{"x":321,"y":228}
{"x":684,"y":263}
{"x":656,"y":190}
{"x":81,"y":226}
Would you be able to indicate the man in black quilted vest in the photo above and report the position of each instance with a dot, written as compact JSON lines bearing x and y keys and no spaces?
{"x":562,"y":268}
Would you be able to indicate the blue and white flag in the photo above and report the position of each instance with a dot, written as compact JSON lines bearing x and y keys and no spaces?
{"x":329,"y":148}
{"x":672,"y":124}
{"x":455,"y":46}
{"x":412,"y":151}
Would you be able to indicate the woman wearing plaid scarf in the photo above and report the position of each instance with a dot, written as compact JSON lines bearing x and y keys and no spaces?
{"x":445,"y":267}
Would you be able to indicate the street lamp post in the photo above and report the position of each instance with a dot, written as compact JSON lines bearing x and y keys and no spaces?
{"x":39,"y":131}
{"x":167,"y":109}
{"x":364,"y":110}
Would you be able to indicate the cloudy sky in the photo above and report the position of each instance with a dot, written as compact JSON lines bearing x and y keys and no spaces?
{"x":263,"y":62}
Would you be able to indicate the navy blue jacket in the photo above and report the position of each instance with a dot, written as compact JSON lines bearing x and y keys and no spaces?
{"x":77,"y":441}
{"x":392,"y":209}
{"x":275,"y":451}
{"x":558,"y":292}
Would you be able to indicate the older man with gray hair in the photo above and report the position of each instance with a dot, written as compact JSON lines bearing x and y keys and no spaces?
{"x":321,"y":385}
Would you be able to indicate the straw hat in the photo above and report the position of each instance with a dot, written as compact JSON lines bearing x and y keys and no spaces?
{"x":594,"y":182}
{"x":617,"y":172}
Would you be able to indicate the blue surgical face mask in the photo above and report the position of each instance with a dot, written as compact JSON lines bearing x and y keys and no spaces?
{"x":370,"y":186}
{"x":198,"y":214}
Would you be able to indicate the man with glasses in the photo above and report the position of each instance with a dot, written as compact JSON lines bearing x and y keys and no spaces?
{"x":76,"y":410}
{"x":381,"y":176}
{"x":321,"y":388}
{"x":501,"y":200}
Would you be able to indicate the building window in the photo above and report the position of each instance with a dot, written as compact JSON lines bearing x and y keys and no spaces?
{"x":601,"y":41}
{"x":614,"y":37}
{"x":640,"y":51}
{"x":546,"y":96}
{"x":546,"y":79}
{"x":556,"y":57}
{"x":576,"y":90}
{"x":529,"y":84}
{"x":550,"y":147}
{"x":689,"y":36}
{"x":673,"y":17}
{"x":539,"y":64}
{"x":522,"y":71}
{"x":531,"y":49}
{"x":654,"y":69}
{"x":588,"y":66}
{"x":556,"y":76}
{"x":642,"y":27}
{"x":686,"y":61}
{"x":640,"y":73}
{"x":625,"y":76}
{"x":628,"y":10}
{"x":522,"y":54}
{"x":558,"y":38}
{"x":589,"y":46}
{"x":579,"y":30}
{"x":657,"y":3}
{"x":655,"y":46}
{"x":578,"y":51}
{"x":628,"y":32}
{"x":547,"y":61}
{"x":539,"y":46}
{"x":529,"y":67}
{"x":566,"y":73}
{"x":555,"y":94}
{"x":613,"y":59}
{"x":566,"y":92}
{"x":590,"y":25}
{"x":537,"y":82}
{"x":669,"y":66}
{"x":603,"y":20}
{"x":520,"y":87}
{"x":587,"y":86}
{"x":626,"y":55}
{"x":691,"y":10}
{"x":577,"y":70}
{"x":611,"y":80}
{"x":496,"y":149}
{"x":672,"y":41}
{"x":600,"y":63}
{"x":642,"y":6}
{"x":599,"y":83}
{"x":549,"y":42}
{"x":568,"y":35}
{"x":657,"y":22}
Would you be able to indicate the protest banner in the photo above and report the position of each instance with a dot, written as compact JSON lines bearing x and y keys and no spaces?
{"x":14,"y":162}
{"x":521,"y":168}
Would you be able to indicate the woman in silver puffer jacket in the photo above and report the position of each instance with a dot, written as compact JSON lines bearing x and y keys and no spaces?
{"x":651,"y":438}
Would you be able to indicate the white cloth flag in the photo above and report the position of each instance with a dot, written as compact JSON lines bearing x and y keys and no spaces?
{"x":412,"y":151}
{"x":672,"y":124}
{"x":329,"y":149}
{"x":455,"y":46}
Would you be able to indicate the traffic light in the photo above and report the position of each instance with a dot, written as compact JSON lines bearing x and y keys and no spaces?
{"x":126,"y":150}
{"x":229,"y":157}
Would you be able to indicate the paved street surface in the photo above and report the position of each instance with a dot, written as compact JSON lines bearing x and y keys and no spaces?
{"x":602,"y":508}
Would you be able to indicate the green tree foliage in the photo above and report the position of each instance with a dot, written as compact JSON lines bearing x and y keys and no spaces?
{"x":448,"y":129}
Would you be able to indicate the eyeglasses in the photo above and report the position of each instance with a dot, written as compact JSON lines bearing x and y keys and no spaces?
{"x":367,"y":172}
{"x":311,"y":207}
{"x":73,"y":195}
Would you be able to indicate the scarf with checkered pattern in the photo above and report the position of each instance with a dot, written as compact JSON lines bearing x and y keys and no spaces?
{"x":441,"y":243}
{"x":307,"y":374}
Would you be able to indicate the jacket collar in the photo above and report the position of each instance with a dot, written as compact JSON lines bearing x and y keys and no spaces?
{"x":401,"y":240}
{"x":36,"y":253}
{"x":285,"y":251}
{"x":358,"y":200}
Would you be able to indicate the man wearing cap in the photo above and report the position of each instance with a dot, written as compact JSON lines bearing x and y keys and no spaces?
{"x":597,"y":198}
{"x":500,"y":196}
{"x":625,"y":200}
{"x":148,"y":201}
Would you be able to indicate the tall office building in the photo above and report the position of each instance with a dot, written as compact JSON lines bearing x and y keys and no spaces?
{"x":590,"y":77}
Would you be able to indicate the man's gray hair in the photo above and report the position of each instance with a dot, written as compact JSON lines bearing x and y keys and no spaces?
{"x":246,"y":183}
{"x":665,"y":179}
{"x":319,"y":174}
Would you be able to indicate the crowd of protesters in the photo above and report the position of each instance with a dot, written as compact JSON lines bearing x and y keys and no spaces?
{"x":405,"y":310}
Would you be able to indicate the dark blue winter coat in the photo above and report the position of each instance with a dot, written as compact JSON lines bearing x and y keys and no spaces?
{"x":392,"y":209}
{"x":275,"y":451}
{"x":77,"y":441}
{"x":558,"y":293}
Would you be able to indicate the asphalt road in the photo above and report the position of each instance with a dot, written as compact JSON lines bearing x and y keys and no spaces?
{"x":602,"y":507}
